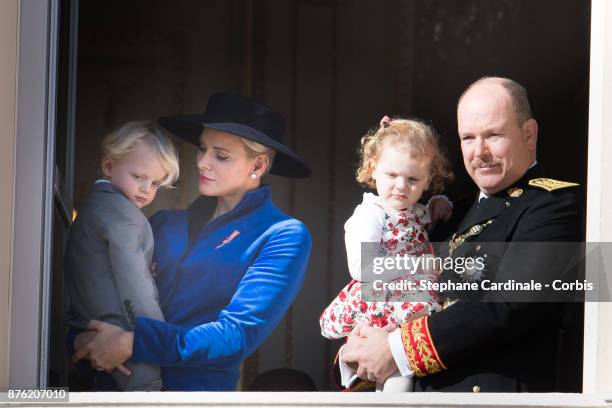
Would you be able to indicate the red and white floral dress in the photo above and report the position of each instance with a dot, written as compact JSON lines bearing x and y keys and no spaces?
{"x":398,"y":233}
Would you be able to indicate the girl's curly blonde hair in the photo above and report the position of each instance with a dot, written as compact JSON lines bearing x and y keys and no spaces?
{"x":419,"y":138}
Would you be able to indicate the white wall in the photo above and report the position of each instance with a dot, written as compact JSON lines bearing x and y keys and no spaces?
{"x":598,"y":318}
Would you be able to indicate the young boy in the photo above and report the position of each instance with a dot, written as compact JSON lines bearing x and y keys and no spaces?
{"x":110,"y":245}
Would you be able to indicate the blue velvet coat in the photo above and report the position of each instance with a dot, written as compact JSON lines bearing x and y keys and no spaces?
{"x":223,"y":288}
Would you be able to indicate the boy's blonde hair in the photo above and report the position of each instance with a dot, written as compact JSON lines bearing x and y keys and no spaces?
{"x":125,"y":140}
{"x":419,"y":138}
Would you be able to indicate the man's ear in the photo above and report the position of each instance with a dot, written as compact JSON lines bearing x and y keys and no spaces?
{"x":530,"y":131}
{"x":107,"y":167}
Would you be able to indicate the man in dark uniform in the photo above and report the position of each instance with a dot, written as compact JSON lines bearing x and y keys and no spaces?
{"x":494,"y":345}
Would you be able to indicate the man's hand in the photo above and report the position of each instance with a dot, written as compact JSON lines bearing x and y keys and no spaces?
{"x":354,"y":340}
{"x":369,"y":347}
{"x":108,"y":349}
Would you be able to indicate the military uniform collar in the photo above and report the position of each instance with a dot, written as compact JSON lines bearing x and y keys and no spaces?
{"x":535,"y":171}
{"x":491,"y":206}
{"x":488,"y":208}
{"x":527,"y":175}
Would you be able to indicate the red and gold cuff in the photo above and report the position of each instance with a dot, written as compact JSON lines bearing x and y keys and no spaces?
{"x":420,"y":349}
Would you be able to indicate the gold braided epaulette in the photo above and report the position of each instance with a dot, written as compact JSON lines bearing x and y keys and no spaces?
{"x":549,"y":184}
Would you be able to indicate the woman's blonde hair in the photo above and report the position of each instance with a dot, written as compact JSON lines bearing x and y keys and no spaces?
{"x":253,"y":149}
{"x":126,"y":139}
{"x":419,"y":138}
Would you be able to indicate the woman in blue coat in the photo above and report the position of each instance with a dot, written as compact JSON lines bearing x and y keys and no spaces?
{"x":225,"y":277}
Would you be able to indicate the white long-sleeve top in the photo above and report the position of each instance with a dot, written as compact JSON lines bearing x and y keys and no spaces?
{"x":374,"y":222}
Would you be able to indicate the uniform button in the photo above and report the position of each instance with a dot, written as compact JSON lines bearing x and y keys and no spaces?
{"x":475,"y":388}
{"x":508,"y":204}
{"x":478,"y":247}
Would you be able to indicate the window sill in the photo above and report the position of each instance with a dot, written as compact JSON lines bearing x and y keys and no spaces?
{"x":279,"y":399}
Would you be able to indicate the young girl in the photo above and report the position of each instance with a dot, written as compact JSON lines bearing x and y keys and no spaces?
{"x":110,"y":245}
{"x":401,"y":160}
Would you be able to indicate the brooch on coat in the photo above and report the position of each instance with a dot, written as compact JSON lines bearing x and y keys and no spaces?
{"x":514,"y":192}
{"x":457,"y":240}
{"x":475,"y":271}
{"x":229,"y":238}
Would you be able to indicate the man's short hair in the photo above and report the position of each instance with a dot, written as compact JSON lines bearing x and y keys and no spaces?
{"x":516,"y":92}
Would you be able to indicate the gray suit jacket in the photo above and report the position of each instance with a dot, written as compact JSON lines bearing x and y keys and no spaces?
{"x":107,"y":272}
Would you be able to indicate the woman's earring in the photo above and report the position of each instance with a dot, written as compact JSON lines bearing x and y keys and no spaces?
{"x":253,"y":175}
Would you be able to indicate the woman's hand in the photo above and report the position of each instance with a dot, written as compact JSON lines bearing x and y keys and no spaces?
{"x":108,"y":347}
{"x":83,"y":339}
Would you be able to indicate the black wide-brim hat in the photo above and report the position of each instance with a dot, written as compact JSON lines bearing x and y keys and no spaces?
{"x":246,"y":118}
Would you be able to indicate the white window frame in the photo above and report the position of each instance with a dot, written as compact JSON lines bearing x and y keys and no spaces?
{"x":29,"y":302}
{"x":30,"y":277}
{"x":597,"y":365}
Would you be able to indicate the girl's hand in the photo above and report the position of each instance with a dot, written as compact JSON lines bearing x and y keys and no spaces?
{"x":107,"y":349}
{"x":440,"y":208}
{"x":385,"y":121}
